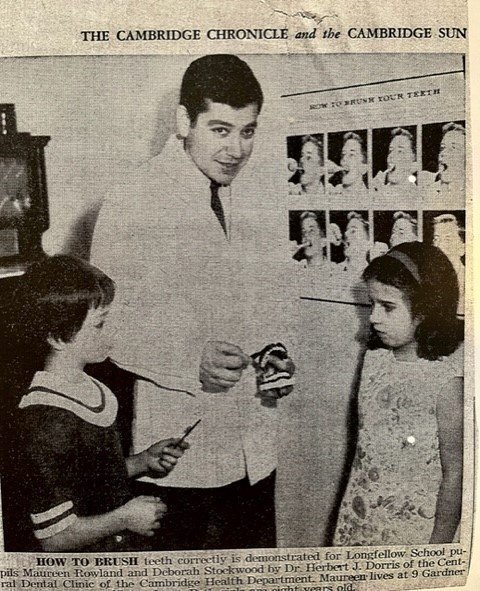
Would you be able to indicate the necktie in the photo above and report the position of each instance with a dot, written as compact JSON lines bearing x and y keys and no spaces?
{"x":216,"y":205}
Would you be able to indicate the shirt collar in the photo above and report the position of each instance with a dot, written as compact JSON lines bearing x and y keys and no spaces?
{"x":51,"y":389}
{"x":178,"y":165}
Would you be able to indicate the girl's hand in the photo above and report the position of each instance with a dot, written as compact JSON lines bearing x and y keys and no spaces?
{"x":142,"y":514}
{"x":161,"y":457}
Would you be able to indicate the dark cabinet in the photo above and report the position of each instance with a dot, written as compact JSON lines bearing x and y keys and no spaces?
{"x":23,"y":195}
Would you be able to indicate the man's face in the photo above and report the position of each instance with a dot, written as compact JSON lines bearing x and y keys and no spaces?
{"x":400,"y":153}
{"x":356,"y":230}
{"x":312,"y":238}
{"x":220,"y":142}
{"x":356,"y":239}
{"x":402,"y":231}
{"x":352,"y":156}
{"x":452,"y":151}
{"x":310,"y":163}
{"x":446,"y":237}
{"x":353,"y":162}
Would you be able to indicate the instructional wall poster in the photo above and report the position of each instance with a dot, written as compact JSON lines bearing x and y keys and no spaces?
{"x":237,"y":295}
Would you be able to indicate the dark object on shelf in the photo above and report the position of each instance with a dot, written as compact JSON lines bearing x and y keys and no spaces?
{"x":23,"y":195}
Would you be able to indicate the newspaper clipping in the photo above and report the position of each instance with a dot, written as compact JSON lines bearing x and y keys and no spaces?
{"x":236,"y":254}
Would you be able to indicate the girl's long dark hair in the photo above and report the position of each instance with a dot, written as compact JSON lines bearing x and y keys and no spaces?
{"x":433,"y":295}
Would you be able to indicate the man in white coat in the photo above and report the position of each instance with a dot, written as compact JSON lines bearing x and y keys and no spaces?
{"x":194,"y":302}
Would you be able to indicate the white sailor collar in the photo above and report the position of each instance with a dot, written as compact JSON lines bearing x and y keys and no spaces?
{"x":50,"y":389}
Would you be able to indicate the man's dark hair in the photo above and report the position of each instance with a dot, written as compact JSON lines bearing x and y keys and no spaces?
{"x":222,"y":79}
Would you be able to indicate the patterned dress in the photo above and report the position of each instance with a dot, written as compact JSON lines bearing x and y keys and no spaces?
{"x":395,"y":476}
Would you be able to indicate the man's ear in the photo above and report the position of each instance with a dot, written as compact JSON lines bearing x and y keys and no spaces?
{"x":55,"y":344}
{"x":183,"y":121}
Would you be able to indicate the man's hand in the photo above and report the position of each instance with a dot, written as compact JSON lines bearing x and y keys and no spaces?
{"x":161,"y":457}
{"x":221,"y":366}
{"x":279,"y":365}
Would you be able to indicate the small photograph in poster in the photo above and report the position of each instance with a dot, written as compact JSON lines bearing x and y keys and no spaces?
{"x":446,"y":230}
{"x":395,"y":165}
{"x":306,"y":164}
{"x":349,"y":237}
{"x":392,"y":228}
{"x":442,"y":178}
{"x":348,"y":151}
{"x":307,"y":233}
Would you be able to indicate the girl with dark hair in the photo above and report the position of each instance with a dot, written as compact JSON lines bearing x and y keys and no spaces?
{"x":72,"y":477}
{"x":405,"y":484}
